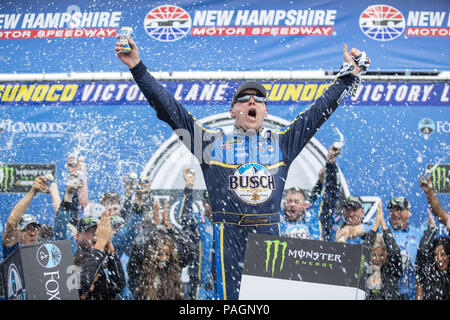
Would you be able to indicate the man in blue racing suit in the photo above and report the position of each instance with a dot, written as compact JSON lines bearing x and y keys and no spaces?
{"x":245,"y":170}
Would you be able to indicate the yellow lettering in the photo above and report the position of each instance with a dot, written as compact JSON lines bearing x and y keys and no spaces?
{"x":25,"y":92}
{"x":9,"y":94}
{"x":308,"y":92}
{"x":69,"y":92}
{"x":51,"y":96}
{"x":40,"y":92}
{"x":277,"y":92}
{"x":2,"y":87}
{"x":293,"y":92}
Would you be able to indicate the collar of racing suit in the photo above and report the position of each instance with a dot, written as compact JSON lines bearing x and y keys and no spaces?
{"x":238,"y":131}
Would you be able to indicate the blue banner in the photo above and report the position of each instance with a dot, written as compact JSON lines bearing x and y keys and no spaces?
{"x":374,"y":93}
{"x":225,"y":35}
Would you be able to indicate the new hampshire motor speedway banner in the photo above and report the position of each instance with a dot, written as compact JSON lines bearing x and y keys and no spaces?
{"x":237,"y":35}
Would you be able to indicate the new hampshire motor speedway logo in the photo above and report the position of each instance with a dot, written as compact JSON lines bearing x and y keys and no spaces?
{"x":382,"y":22}
{"x":167,"y":23}
{"x":252,"y":183}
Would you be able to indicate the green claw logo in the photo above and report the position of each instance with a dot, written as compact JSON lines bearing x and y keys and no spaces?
{"x":276,"y":245}
{"x":440,"y":179}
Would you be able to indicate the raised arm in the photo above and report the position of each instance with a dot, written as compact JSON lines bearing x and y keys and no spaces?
{"x":295,"y":136}
{"x":436,"y":207}
{"x":10,"y":236}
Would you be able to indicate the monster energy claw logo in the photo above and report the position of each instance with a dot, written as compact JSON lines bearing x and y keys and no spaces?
{"x":440,"y":179}
{"x":6,"y":178}
{"x":276,"y":249}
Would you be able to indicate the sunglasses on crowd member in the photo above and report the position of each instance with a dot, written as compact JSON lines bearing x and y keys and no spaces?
{"x":246,"y":97}
{"x":399,"y":202}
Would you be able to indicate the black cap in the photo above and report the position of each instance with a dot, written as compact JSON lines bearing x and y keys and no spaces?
{"x":353,"y":202}
{"x":84,"y":224}
{"x":400,"y":202}
{"x":249,"y":85}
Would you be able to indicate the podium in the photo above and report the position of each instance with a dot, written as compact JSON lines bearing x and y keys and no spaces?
{"x":40,"y":271}
{"x":278,"y":268}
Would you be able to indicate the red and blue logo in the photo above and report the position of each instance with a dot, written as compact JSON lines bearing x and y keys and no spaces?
{"x":382,"y":23}
{"x":167,"y":23}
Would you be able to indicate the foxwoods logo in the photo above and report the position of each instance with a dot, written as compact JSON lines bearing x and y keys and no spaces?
{"x":276,"y":249}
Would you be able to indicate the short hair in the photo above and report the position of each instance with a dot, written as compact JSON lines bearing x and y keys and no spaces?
{"x":296,"y":190}
{"x":110,"y":196}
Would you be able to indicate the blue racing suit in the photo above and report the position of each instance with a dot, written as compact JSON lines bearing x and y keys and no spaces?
{"x":244,"y":172}
{"x":201,"y":280}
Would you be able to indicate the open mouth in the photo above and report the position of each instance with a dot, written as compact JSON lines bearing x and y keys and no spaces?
{"x":252,"y":113}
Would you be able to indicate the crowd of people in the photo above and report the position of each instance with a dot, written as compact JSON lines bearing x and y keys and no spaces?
{"x":126,"y":247}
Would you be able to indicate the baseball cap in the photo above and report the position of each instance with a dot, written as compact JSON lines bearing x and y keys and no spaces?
{"x":354,"y":202}
{"x":26,"y":220}
{"x":249,"y":85}
{"x":86,"y":223}
{"x":400,"y":202}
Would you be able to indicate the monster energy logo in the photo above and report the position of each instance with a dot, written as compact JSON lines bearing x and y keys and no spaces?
{"x":6,"y":178}
{"x":441,"y":181}
{"x":276,"y":245}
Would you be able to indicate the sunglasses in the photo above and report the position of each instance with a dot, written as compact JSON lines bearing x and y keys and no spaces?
{"x":400,"y":202}
{"x":246,"y":98}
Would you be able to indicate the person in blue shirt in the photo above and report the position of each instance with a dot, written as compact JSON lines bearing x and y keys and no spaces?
{"x":201,"y":282}
{"x":298,"y":222}
{"x":408,"y":238}
{"x":349,"y":228}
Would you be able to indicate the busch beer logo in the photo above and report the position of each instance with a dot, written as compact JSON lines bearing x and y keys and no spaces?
{"x":252,"y":183}
{"x":167,"y":23}
{"x":382,"y":22}
{"x":277,"y":244}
